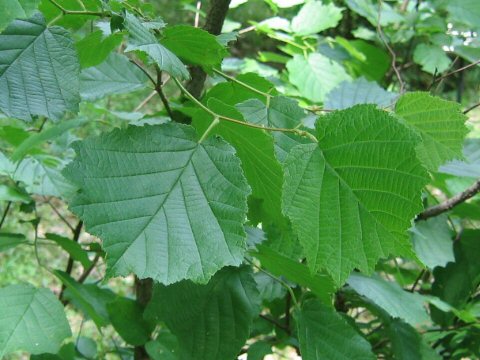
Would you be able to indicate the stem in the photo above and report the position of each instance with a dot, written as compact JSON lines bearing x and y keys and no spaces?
{"x":214,"y":123}
{"x":5,"y":213}
{"x":87,"y":272}
{"x":231,"y":78}
{"x":467,"y":110}
{"x":240,"y":122}
{"x":76,"y":236}
{"x":159,"y":90}
{"x":79,"y":12}
{"x":450,"y":203}
{"x":283,"y":283}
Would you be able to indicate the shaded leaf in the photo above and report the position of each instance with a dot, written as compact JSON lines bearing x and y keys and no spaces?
{"x":212,"y":321}
{"x":432,"y":242}
{"x":32,"y":320}
{"x":141,"y":39}
{"x":94,"y":48}
{"x":46,"y":57}
{"x":116,"y":75}
{"x":324,"y":334}
{"x":16,"y":9}
{"x":360,"y":91}
{"x":389,"y":296}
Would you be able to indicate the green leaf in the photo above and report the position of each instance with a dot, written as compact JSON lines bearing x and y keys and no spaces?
{"x":182,"y":216}
{"x":315,"y":76}
{"x":470,"y":167}
{"x":456,"y":282}
{"x":407,"y":344}
{"x":372,"y":63}
{"x":369,"y":10}
{"x":116,"y":75}
{"x":465,"y":11}
{"x":194,"y":45}
{"x":351,"y":196}
{"x":32,"y":320}
{"x":389,"y":296}
{"x":94,"y":48}
{"x":255,"y":150}
{"x":37,"y":139}
{"x":11,"y":193}
{"x":91,"y":299}
{"x":360,"y":91}
{"x":315,"y":17}
{"x":164,"y":347}
{"x":16,"y":9}
{"x":281,"y":112}
{"x":140,"y":39}
{"x":72,"y":248}
{"x":9,"y":240}
{"x":46,"y":57}
{"x":432,"y":242}
{"x":440,"y":123}
{"x":212,"y":321}
{"x":42,"y":176}
{"x":432,"y":58}
{"x":258,"y":350}
{"x":78,"y":292}
{"x":324,"y":334}
{"x":280,"y":265}
{"x":127,"y":318}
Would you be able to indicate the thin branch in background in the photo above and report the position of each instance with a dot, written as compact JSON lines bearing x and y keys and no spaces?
{"x":86,"y":273}
{"x":247,"y":29}
{"x":275,"y":322}
{"x":417,"y":280}
{"x":79,"y":12}
{"x":458,"y":70}
{"x":467,"y":110}
{"x":5,"y":213}
{"x":59,"y":215}
{"x":197,"y":14}
{"x":440,"y":82}
{"x":390,"y":50}
{"x":146,"y":100}
{"x":450,"y":203}
{"x":76,"y":236}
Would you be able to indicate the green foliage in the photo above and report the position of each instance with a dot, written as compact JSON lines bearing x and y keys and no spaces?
{"x":440,"y":123}
{"x":210,"y":321}
{"x":363,"y":177}
{"x":39,"y":73}
{"x":294,"y":185}
{"x":323,"y":333}
{"x":171,"y":187}
{"x":32,"y":320}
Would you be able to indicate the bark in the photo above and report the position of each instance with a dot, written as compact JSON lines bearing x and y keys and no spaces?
{"x":216,"y":15}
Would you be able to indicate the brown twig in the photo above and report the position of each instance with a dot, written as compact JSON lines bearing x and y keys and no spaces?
{"x":76,"y":236}
{"x":5,"y":213}
{"x":87,"y":271}
{"x":417,"y":280}
{"x":467,"y":110}
{"x":275,"y":322}
{"x":79,"y":12}
{"x":458,"y":70}
{"x":389,"y":48}
{"x":159,"y":90}
{"x":450,"y":203}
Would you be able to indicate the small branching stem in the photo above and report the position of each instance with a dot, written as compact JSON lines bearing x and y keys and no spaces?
{"x":240,"y":122}
{"x":79,"y":12}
